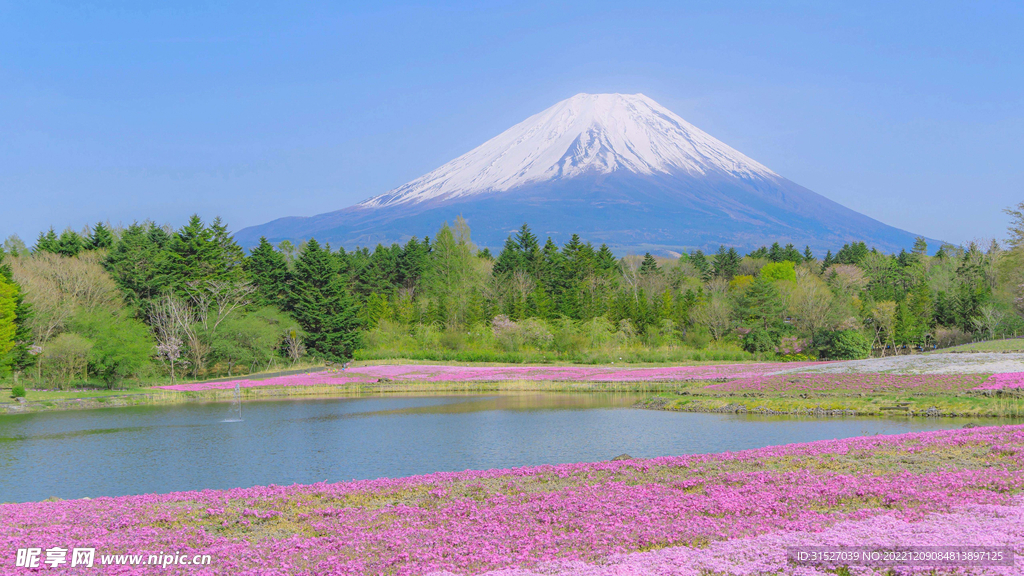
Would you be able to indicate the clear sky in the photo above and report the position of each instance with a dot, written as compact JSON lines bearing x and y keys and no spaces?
{"x":912,"y":113}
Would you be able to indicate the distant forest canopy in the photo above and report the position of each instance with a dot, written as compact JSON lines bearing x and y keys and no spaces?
{"x":111,"y":305}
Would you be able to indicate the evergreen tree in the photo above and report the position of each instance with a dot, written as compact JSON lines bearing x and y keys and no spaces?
{"x":322,"y":306}
{"x":551,"y":273}
{"x":529,"y":250}
{"x":70,"y":243}
{"x":508,"y":259}
{"x":46,"y":242}
{"x":808,"y":255}
{"x":921,"y":246}
{"x":700,"y":262}
{"x":761,"y":305}
{"x":268,"y":271}
{"x":828,"y":261}
{"x":606,"y":260}
{"x":135,"y":262}
{"x":101,"y":238}
{"x":791,"y":254}
{"x":726,"y":263}
{"x":760,"y":253}
{"x":197,"y":254}
{"x":414,"y":261}
{"x":649,"y":266}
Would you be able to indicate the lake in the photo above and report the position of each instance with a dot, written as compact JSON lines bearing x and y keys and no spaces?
{"x":118,"y":451}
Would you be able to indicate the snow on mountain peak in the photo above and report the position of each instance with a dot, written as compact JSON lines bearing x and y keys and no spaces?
{"x":585,"y":134}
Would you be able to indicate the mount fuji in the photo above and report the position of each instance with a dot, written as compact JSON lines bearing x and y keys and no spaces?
{"x":615,"y":168}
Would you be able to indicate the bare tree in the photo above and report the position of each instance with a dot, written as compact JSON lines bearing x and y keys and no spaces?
{"x":170,"y":317}
{"x":57,"y":286}
{"x":215,"y":300}
{"x":294,"y":345}
{"x":989,"y":319}
{"x":846,"y":278}
{"x":714,"y":313}
{"x":884,"y":317}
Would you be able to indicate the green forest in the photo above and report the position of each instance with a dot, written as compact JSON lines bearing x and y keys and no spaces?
{"x":110,"y":306}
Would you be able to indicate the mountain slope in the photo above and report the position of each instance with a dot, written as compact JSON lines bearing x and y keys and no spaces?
{"x":619,"y":169}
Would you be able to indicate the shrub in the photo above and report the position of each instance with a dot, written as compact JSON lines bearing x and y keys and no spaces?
{"x":843,"y":345}
{"x":697,"y":337}
{"x":598,"y":331}
{"x":65,"y":359}
{"x":18,"y":391}
{"x":122,"y":345}
{"x":760,"y":341}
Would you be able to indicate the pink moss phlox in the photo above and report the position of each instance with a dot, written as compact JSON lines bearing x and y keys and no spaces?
{"x":1007,"y":381}
{"x":582,"y":514}
{"x":853,"y":382}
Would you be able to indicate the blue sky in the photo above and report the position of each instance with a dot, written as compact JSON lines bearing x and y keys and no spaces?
{"x":912,"y":113}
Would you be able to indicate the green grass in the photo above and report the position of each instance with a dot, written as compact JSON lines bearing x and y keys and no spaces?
{"x":51,"y":395}
{"x":1007,"y":345}
{"x":961,"y":405}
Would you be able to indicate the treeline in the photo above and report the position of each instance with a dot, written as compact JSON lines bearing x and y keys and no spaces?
{"x":108,"y":305}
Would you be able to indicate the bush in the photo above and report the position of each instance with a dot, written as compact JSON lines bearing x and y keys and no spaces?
{"x":18,"y":391}
{"x":760,"y":341}
{"x":513,"y":335}
{"x":121,"y":345}
{"x":66,"y":359}
{"x":843,"y":345}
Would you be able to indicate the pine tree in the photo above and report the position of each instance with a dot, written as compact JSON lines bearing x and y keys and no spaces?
{"x":100,"y":239}
{"x":808,"y":255}
{"x":136,"y":262}
{"x":70,"y":243}
{"x":268,"y":272}
{"x":700,"y":262}
{"x":46,"y":242}
{"x":322,"y":306}
{"x":414,"y":261}
{"x":509,"y":259}
{"x":920,"y":246}
{"x":649,"y":266}
{"x":606,"y":260}
{"x":762,"y":305}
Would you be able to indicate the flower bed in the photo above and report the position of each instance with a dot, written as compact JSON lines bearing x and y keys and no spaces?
{"x":445,"y":373}
{"x":442,"y":373}
{"x":1010,"y":380}
{"x":853,"y":383}
{"x":315,"y":379}
{"x":578,"y":516}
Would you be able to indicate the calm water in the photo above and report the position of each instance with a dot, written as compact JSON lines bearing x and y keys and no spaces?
{"x":164,"y":449}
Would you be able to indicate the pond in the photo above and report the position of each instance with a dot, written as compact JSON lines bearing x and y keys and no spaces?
{"x":155,"y":449}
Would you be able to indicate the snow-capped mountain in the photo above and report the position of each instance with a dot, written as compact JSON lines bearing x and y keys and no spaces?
{"x":615,"y":168}
{"x":586,"y":134}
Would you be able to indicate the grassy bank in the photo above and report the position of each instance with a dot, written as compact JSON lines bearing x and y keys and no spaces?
{"x":42,"y":401}
{"x":1007,"y":345}
{"x":965,"y":405}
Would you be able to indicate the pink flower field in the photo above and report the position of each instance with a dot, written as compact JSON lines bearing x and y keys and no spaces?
{"x":854,"y":383}
{"x":445,"y":373}
{"x":731,"y":513}
{"x":1010,"y":380}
